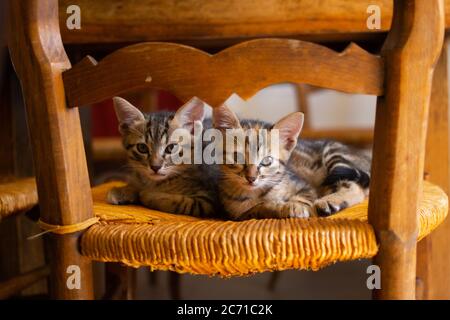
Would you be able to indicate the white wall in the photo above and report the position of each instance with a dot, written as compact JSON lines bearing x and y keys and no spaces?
{"x":327,"y":108}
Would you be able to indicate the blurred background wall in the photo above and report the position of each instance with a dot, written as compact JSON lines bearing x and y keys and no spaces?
{"x":328,"y":109}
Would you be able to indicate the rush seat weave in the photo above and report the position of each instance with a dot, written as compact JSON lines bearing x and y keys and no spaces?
{"x":137,"y":236}
{"x":17,"y":195}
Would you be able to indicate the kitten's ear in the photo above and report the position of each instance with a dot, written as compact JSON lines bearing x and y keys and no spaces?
{"x":289,"y":129}
{"x":191,"y":112}
{"x":126,"y":113}
{"x":224,"y":118}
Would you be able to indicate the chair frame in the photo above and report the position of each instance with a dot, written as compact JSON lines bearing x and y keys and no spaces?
{"x":410,"y":53}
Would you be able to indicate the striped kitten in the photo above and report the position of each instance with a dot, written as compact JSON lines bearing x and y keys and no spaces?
{"x":155,"y":180}
{"x":339,"y":173}
{"x":308,"y":178}
{"x":265,"y":187}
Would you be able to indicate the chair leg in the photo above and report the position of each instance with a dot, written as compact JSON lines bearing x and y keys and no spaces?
{"x":433,"y":264}
{"x":399,"y":145}
{"x":39,"y":59}
{"x":152,"y":278}
{"x":68,"y":268}
{"x":273,"y":280}
{"x":174,"y":285}
{"x":17,"y":284}
{"x":120,"y":282}
{"x":303,"y":103}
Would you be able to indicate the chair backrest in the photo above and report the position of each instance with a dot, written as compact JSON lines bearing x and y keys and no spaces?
{"x":206,"y":23}
{"x":53,"y":89}
{"x":244,"y":69}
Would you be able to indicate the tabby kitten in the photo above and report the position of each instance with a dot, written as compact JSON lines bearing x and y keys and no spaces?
{"x":265,"y":187}
{"x":155,"y":180}
{"x":339,"y":173}
{"x":309,"y":177}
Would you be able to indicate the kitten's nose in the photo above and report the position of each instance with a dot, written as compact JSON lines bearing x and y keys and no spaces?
{"x":155,"y":168}
{"x":251,"y":179}
{"x":251,"y":173}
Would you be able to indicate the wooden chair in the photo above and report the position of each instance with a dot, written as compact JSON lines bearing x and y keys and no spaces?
{"x":16,"y":197}
{"x":401,"y":209}
{"x":18,"y":194}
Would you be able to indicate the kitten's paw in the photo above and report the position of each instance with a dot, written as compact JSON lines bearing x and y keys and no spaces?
{"x":299,"y":210}
{"x":121,"y":195}
{"x":328,"y":206}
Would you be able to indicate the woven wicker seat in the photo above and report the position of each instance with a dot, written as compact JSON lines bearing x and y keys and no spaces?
{"x":137,"y":236}
{"x":17,"y":196}
{"x":401,"y":76}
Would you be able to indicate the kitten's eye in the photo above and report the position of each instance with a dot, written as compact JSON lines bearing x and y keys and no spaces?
{"x":267,"y":161}
{"x":173,"y":147}
{"x":142,"y":148}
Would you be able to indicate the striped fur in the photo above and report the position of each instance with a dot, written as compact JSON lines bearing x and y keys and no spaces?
{"x":339,"y":173}
{"x":304,"y":179}
{"x":155,"y":181}
{"x":259,"y":190}
{"x":313,"y":177}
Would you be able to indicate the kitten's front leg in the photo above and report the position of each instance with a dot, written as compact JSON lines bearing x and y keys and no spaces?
{"x":297,"y":209}
{"x":122,"y":195}
{"x":277,"y":210}
{"x":348,"y":194}
{"x":260,"y":211}
{"x":176,"y":203}
{"x":300,"y":206}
